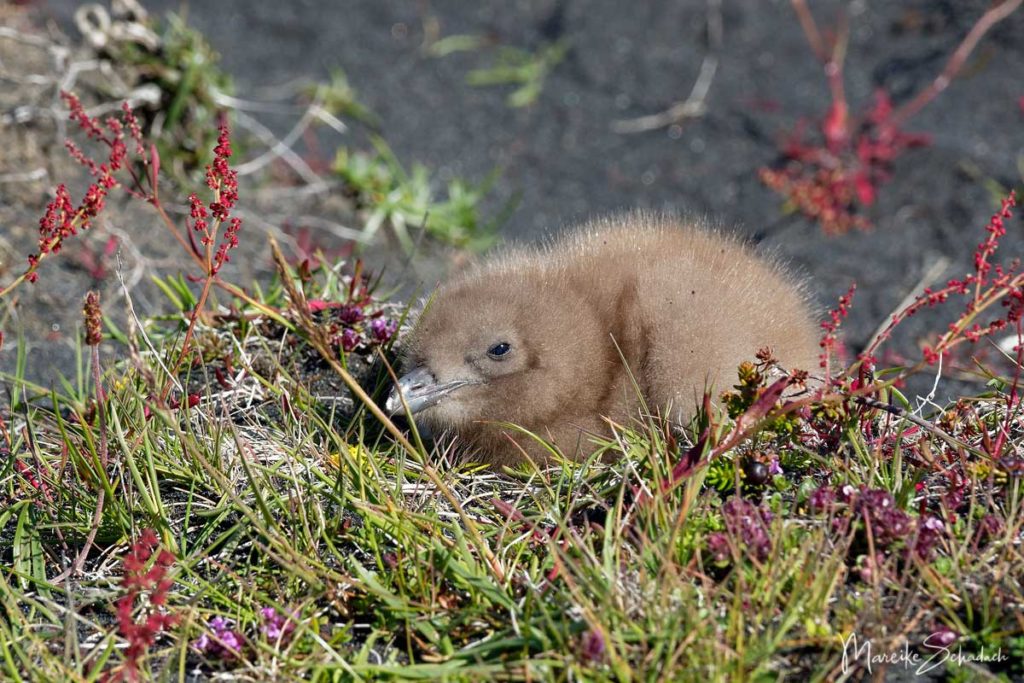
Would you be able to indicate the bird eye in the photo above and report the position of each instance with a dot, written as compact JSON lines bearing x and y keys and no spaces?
{"x":499,"y":350}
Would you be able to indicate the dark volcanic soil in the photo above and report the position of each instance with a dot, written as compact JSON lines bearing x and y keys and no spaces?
{"x":629,"y":59}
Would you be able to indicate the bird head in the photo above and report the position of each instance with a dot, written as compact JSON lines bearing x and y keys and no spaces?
{"x":495,"y":348}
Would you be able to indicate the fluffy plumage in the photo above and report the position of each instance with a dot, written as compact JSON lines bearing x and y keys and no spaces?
{"x":527,"y":337}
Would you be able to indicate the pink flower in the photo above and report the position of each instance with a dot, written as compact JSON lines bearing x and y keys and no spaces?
{"x":382,"y":329}
{"x":221,"y":641}
{"x":276,"y":627}
{"x":349,"y":339}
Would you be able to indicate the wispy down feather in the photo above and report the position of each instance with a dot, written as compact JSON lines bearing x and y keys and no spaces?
{"x":538,"y":336}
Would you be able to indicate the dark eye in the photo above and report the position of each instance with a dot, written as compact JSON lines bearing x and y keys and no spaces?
{"x":499,"y":350}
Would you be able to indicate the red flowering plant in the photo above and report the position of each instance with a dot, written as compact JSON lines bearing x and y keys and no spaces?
{"x":988,"y":285}
{"x":832,"y":175}
{"x":133,"y":165}
{"x":211,"y":233}
{"x":357,"y":321}
{"x":899,"y":494}
{"x":207,"y":218}
{"x":145,"y":573}
{"x":993,"y":295}
{"x":64,"y":218}
{"x":816,"y":412}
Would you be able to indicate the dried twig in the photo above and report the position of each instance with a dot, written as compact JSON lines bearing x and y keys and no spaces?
{"x":910,"y":417}
{"x":694,"y":105}
{"x":279,"y":149}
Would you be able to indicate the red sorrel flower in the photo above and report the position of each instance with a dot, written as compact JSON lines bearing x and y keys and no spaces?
{"x":93,"y":317}
{"x":143,"y":572}
{"x":987,"y":285}
{"x":830,"y":339}
{"x":830,"y":178}
{"x":208,"y":218}
{"x":828,"y":182}
{"x":62,"y":218}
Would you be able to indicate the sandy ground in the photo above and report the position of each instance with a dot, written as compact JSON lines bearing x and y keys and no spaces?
{"x":565,"y":162}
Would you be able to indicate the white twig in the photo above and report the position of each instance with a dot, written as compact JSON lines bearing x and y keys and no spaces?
{"x":239,"y":104}
{"x":279,"y":149}
{"x":280,"y":192}
{"x":27,"y":79}
{"x":923,"y":401}
{"x":337,"y":229}
{"x":141,"y":264}
{"x":27,"y":38}
{"x":75,"y":68}
{"x":695,"y":104}
{"x":26,"y":177}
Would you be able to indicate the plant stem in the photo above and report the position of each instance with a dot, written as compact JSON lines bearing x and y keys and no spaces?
{"x":956,"y":61}
{"x":97,"y":515}
{"x":186,"y":343}
{"x":810,"y":28}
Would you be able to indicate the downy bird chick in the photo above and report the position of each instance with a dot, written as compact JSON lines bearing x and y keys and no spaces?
{"x":542,"y":337}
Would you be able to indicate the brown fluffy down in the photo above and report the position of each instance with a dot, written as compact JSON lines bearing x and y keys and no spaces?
{"x":684,"y":305}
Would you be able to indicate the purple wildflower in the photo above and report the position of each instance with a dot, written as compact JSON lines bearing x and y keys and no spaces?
{"x":888,"y":523}
{"x":276,"y":626}
{"x":349,"y":339}
{"x":593,"y":647}
{"x":822,"y":499}
{"x":869,"y":567}
{"x":929,"y":531}
{"x":350,"y":314}
{"x":221,"y":640}
{"x":989,"y":527}
{"x":941,"y":638}
{"x":718,"y":547}
{"x":749,"y":524}
{"x":846,"y":493}
{"x":382,"y":329}
{"x":953,"y":499}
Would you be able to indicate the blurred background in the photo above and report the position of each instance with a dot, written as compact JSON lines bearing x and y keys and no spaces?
{"x":528,"y":117}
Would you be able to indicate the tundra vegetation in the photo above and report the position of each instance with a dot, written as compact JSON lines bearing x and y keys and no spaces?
{"x":216,"y":490}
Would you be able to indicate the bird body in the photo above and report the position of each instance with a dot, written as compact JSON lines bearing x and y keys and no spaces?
{"x":552,"y":339}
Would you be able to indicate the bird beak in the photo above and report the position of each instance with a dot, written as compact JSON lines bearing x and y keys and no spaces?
{"x":420,"y":390}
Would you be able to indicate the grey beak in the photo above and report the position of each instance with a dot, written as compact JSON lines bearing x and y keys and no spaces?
{"x":421,"y":390}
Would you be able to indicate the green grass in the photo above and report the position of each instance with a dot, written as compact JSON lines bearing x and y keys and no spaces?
{"x":310,"y":540}
{"x":510,"y":66}
{"x":407,"y":202}
{"x":409,"y":566}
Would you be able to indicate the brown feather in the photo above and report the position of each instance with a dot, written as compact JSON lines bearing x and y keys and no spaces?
{"x":684,"y":305}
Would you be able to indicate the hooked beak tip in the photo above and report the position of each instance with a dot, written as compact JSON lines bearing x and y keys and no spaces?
{"x":393,"y":405}
{"x":417,"y":387}
{"x":420,"y":390}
